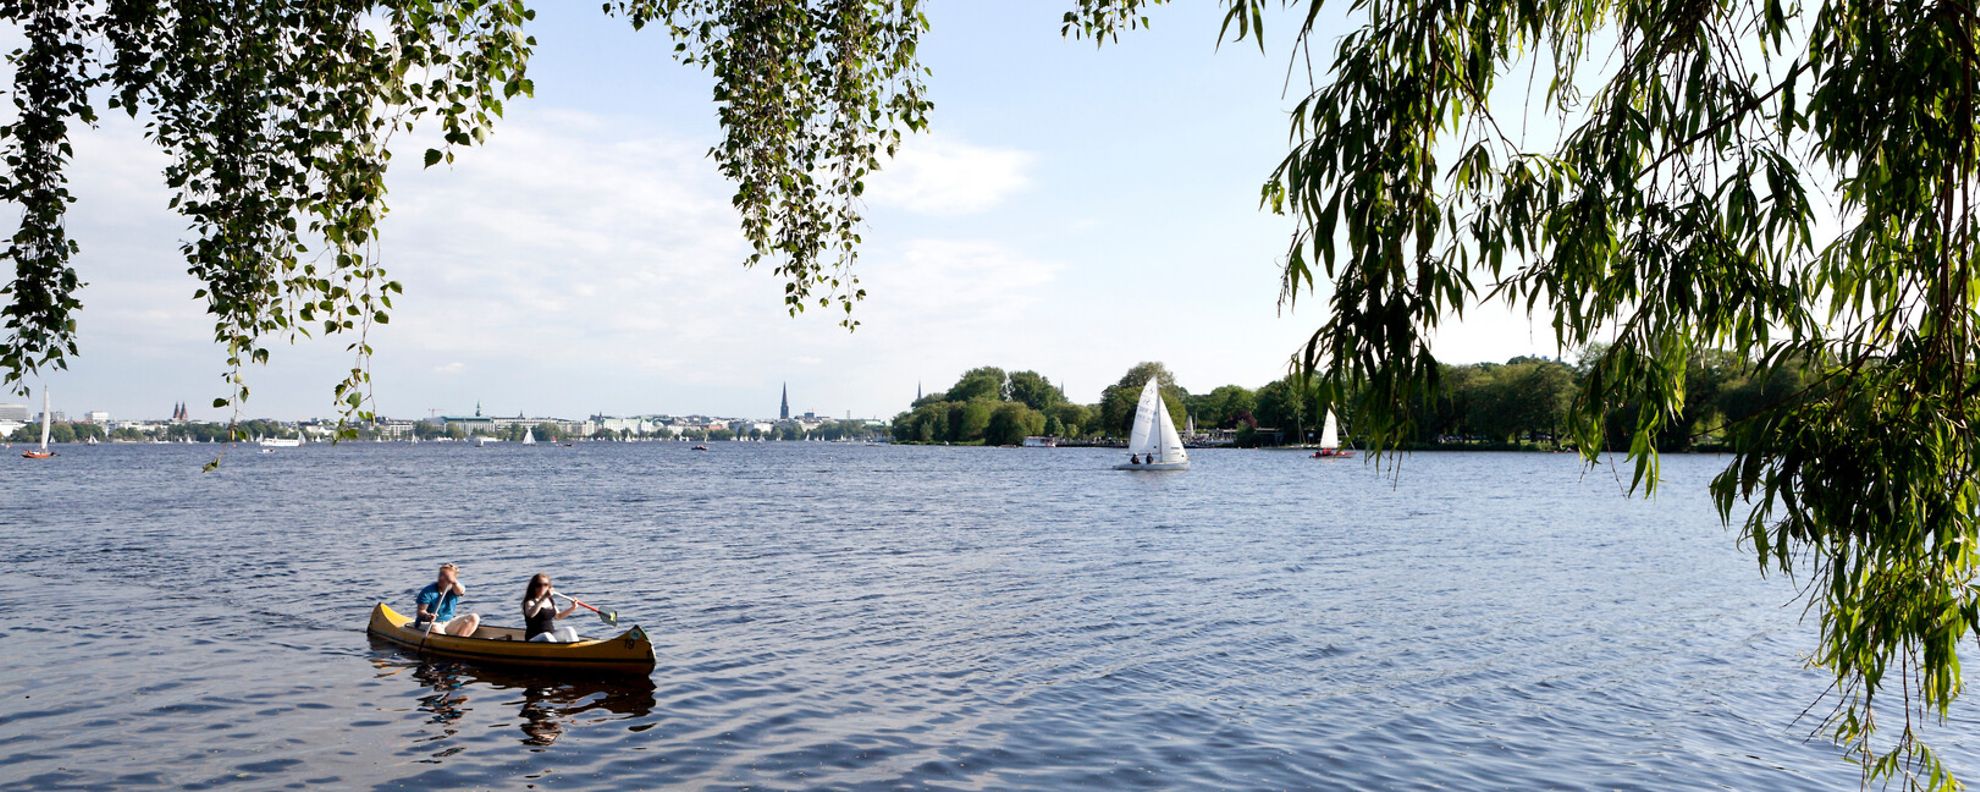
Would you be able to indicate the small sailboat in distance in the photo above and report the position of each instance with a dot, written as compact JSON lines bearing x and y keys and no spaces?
{"x":42,"y":452}
{"x":529,"y":436}
{"x":1154,"y":444}
{"x":1330,"y":440}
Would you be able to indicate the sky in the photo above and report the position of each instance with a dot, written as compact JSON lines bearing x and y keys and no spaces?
{"x":1072,"y":210}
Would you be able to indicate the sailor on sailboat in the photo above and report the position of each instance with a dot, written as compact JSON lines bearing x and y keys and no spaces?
{"x":1330,"y":441}
{"x":42,"y":452}
{"x":1154,"y":444}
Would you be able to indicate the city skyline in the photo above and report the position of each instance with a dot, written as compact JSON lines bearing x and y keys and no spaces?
{"x":182,"y":411}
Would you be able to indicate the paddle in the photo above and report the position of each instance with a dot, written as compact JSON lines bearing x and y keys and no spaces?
{"x":608,"y":617}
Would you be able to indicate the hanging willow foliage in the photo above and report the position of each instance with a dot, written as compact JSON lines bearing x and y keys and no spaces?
{"x":1667,"y":209}
{"x":278,"y":117}
{"x":811,"y":95}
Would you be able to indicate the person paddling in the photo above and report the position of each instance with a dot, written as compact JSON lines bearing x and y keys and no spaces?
{"x":436,"y":605}
{"x":540,"y":613}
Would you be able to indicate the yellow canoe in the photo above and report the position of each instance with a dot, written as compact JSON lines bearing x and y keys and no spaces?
{"x":630,"y":652}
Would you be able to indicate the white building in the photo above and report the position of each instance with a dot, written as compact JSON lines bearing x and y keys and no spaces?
{"x":98,"y":417}
{"x":635,"y":425}
{"x":14,"y":412}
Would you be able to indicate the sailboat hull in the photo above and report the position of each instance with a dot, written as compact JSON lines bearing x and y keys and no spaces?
{"x":1153,"y":466}
{"x":37,"y":454}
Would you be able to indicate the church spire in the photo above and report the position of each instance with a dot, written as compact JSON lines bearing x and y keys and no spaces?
{"x":784,"y":407}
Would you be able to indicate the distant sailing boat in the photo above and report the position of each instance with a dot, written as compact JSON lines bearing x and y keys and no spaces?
{"x":529,"y":436}
{"x":1330,"y":440}
{"x":42,"y":452}
{"x":1154,"y":444}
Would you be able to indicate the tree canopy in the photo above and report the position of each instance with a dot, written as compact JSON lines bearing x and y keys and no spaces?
{"x":278,"y":117}
{"x":1118,"y":401}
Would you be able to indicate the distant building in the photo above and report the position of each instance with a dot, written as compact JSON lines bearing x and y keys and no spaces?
{"x":14,"y":412}
{"x":98,"y":417}
{"x":634,"y":425}
{"x":784,"y":409}
{"x":179,"y":413}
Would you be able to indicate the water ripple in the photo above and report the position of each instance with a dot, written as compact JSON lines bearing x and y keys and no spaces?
{"x":831,"y":616}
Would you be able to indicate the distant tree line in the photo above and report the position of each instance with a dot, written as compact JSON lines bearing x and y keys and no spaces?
{"x":1522,"y":402}
{"x":989,"y":407}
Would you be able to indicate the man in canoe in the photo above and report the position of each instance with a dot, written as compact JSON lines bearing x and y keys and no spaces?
{"x":436,"y":605}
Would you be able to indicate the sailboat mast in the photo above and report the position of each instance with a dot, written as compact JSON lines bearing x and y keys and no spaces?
{"x":44,"y":418}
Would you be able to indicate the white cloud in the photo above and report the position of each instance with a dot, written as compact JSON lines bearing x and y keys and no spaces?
{"x":952,"y":280}
{"x":940,"y":175}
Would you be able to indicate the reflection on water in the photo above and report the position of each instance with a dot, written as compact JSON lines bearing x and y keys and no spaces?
{"x":550,"y":702}
{"x":887,"y":617}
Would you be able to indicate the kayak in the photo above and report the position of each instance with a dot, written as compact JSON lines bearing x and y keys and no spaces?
{"x":630,"y":652}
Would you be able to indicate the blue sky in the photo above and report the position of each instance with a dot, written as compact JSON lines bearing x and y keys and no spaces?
{"x":1073,"y":211}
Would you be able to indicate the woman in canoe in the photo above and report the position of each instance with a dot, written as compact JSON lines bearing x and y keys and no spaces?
{"x":540,"y":613}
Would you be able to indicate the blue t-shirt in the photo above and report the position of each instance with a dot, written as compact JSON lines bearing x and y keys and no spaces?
{"x":430,"y":595}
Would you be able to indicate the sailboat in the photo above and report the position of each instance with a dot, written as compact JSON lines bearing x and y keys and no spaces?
{"x":42,"y":452}
{"x":1154,"y":444}
{"x":1330,"y":440}
{"x":529,"y":437}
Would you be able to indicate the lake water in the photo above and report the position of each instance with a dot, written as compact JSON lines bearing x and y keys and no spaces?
{"x":892,"y":616}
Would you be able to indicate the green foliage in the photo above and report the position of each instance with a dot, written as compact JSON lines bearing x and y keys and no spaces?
{"x":1073,"y":417}
{"x":1279,"y":405}
{"x":1010,"y":423}
{"x":277,"y":147}
{"x":986,"y":383}
{"x":985,"y":406}
{"x":1119,"y":400}
{"x":811,"y":94}
{"x":1225,"y":408}
{"x":968,"y":420}
{"x":277,"y":118}
{"x":1034,"y":390}
{"x":1663,"y":206}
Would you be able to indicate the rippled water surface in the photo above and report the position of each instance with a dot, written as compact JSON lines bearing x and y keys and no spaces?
{"x":890,"y":616}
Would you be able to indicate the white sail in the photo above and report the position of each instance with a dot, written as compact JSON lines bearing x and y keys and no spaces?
{"x":44,"y":418}
{"x":1171,"y":449}
{"x":1142,"y":440}
{"x":529,"y":437}
{"x":1330,"y":434}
